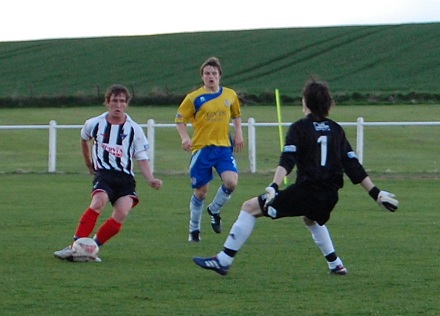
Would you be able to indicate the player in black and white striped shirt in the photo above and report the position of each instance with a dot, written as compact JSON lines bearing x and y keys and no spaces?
{"x":116,"y":142}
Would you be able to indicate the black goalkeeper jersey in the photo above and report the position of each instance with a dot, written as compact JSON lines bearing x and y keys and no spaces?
{"x":321,"y":152}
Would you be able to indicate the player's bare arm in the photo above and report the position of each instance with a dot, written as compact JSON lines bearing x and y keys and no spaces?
{"x":144,"y":166}
{"x":238,"y":138}
{"x":279,"y":175}
{"x":85,"y":148}
{"x":186,"y":140}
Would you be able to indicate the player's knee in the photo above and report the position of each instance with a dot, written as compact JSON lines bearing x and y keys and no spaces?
{"x":98,"y":204}
{"x":230,"y":180}
{"x":119,"y":215}
{"x":99,"y":201}
{"x":250,"y":206}
{"x":200,"y":193}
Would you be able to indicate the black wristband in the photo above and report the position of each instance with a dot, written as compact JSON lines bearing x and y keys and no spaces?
{"x":275,"y":186}
{"x":374,"y":193}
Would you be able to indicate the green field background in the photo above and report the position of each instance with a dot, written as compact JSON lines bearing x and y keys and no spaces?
{"x":392,"y":258}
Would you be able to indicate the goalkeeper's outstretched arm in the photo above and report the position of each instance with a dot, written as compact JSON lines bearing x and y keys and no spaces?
{"x":272,"y":189}
{"x":383,"y":198}
{"x":279,"y":175}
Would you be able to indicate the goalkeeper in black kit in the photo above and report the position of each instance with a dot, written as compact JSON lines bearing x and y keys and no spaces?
{"x":319,"y":149}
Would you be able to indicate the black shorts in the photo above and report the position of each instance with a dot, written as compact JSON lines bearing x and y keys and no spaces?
{"x":296,"y":200}
{"x":116,"y":184}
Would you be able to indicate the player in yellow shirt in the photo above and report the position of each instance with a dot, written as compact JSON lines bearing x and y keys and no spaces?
{"x":209,"y":110}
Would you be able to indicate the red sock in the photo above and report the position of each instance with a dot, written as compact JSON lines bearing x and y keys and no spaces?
{"x":86,"y":223}
{"x":107,"y":230}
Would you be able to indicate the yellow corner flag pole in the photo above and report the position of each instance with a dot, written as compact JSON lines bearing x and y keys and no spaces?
{"x":280,"y":126}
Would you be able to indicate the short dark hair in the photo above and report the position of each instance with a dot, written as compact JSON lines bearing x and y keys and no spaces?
{"x":214,"y":62}
{"x":117,"y":89}
{"x":318,"y":98}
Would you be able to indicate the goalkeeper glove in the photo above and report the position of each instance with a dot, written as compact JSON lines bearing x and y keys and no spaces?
{"x":384,"y":199}
{"x":271,"y":193}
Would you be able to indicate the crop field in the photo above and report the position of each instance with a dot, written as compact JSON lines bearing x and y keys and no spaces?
{"x":380,"y":59}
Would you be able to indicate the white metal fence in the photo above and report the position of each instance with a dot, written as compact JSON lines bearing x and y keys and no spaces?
{"x":251,"y":125}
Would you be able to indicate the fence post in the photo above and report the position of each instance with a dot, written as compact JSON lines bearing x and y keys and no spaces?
{"x":252,"y":145}
{"x":360,"y":139}
{"x":52,"y":146}
{"x":151,"y":140}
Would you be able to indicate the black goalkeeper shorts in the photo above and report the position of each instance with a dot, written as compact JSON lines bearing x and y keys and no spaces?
{"x":296,"y":200}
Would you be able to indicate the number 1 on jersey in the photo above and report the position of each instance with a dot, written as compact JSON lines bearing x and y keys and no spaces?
{"x":323,"y":141}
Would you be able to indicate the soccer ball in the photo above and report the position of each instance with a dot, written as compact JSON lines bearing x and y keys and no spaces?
{"x":84,"y":250}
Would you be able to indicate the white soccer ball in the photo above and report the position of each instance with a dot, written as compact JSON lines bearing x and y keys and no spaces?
{"x":84,"y":250}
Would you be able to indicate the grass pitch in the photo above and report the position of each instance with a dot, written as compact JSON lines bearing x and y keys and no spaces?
{"x":147,"y":269}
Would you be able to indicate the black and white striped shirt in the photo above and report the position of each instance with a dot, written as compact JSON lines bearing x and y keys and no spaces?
{"x":115,"y":146}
